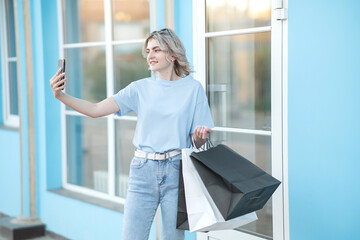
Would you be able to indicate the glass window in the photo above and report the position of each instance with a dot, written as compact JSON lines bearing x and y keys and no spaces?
{"x":100,"y":148}
{"x":130,"y":19}
{"x":13,"y":89}
{"x":223,"y":15}
{"x":10,"y":27}
{"x":87,"y":163}
{"x":83,"y":21}
{"x":129,"y":64}
{"x":238,"y":71}
{"x":86,"y":73}
{"x":9,"y":64}
{"x":239,"y":80}
{"x":124,"y":132}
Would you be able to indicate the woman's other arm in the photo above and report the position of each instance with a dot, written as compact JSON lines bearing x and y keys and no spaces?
{"x":200,"y":134}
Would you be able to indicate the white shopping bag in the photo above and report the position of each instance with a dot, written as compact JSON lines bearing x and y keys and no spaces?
{"x":203,"y":215}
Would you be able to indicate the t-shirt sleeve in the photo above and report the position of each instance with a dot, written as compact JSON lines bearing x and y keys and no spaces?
{"x":127,"y":99}
{"x":202,"y":114}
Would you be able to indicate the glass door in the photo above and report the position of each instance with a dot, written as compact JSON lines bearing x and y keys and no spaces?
{"x":238,"y":60}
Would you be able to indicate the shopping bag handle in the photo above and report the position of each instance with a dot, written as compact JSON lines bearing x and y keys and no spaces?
{"x":208,"y":144}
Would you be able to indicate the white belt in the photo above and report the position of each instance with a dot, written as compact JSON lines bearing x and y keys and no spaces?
{"x":156,"y":156}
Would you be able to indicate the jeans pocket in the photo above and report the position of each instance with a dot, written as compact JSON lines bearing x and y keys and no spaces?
{"x":137,"y":162}
{"x":175,"y":162}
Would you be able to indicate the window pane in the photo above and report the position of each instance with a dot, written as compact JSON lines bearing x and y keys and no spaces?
{"x":239,"y":77}
{"x":86,"y":73}
{"x":10,"y":27}
{"x":129,"y":65}
{"x":83,"y":21}
{"x":13,"y":89}
{"x":124,"y":132}
{"x":222,"y":15}
{"x":130,"y":19}
{"x":257,"y":149}
{"x":87,"y":161}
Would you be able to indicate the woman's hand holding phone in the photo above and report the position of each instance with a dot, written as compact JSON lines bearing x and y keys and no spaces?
{"x":94,"y":110}
{"x":57,"y":83}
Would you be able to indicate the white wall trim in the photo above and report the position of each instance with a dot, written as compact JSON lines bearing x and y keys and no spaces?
{"x":142,"y":40}
{"x":110,"y":92}
{"x":103,"y":44}
{"x":276,"y":123}
{"x":83,"y":44}
{"x":228,"y":235}
{"x":93,"y":193}
{"x":285,"y":48}
{"x":238,"y":32}
{"x":62,"y":106}
{"x":241,"y":130}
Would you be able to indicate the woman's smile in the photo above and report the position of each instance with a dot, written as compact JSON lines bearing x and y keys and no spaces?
{"x":153,"y":62}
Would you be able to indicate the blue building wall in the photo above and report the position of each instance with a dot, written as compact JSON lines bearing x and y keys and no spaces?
{"x":1,"y":93}
{"x":324,"y":134}
{"x":10,"y":201}
{"x":324,"y":113}
{"x":184,"y":25}
{"x":10,"y":182}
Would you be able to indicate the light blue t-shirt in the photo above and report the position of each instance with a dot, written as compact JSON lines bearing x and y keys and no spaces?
{"x":168,"y":111}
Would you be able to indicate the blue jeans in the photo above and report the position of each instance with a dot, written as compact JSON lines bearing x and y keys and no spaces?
{"x":151,"y":183}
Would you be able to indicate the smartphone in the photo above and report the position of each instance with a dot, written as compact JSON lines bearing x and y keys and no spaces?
{"x":61,"y":64}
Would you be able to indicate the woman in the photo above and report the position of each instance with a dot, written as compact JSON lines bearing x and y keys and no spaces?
{"x":172,"y":109}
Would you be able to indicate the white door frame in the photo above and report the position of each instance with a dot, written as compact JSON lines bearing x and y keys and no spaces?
{"x":279,"y":145}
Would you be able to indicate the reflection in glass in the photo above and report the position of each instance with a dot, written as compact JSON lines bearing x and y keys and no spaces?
{"x":83,"y":21}
{"x":87,"y":161}
{"x":129,"y":65}
{"x":239,"y":78}
{"x":256,"y":149}
{"x":130,"y":19}
{"x":223,"y":15}
{"x":86,"y":73}
{"x":124,"y":132}
{"x":13,"y":87}
{"x":10,"y":27}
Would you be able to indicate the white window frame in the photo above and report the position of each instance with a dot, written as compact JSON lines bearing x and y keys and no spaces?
{"x":10,"y":120}
{"x":109,"y":43}
{"x":278,"y":131}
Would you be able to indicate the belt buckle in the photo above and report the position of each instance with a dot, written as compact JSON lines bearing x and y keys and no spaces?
{"x":160,"y":154}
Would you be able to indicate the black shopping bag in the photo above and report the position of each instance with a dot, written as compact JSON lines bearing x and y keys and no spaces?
{"x":182,"y":219}
{"x":236,"y":185}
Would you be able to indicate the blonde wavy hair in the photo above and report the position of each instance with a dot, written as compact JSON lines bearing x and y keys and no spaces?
{"x":171,"y":43}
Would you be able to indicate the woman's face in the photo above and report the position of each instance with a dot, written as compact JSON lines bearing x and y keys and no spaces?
{"x":156,"y":58}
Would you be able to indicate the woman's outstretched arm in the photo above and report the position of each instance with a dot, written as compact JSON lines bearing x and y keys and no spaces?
{"x":94,"y":110}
